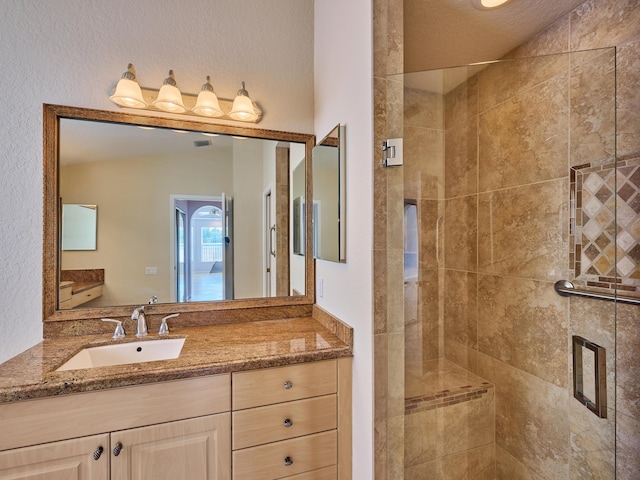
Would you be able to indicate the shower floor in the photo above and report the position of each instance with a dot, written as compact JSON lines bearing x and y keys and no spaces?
{"x":440,"y":383}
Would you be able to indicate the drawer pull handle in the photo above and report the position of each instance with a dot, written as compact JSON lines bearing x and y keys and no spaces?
{"x":117,"y":449}
{"x":288,"y":462}
{"x":288,"y":385}
{"x":98,"y":452}
{"x":288,"y":422}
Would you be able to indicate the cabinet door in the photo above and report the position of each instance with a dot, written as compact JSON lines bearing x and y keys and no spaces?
{"x":65,"y":460}
{"x":198,"y":448}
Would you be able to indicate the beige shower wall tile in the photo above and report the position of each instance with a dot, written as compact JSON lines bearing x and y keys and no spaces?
{"x":395,"y":209}
{"x":519,"y":142}
{"x":420,"y":438}
{"x":422,"y":320}
{"x":461,"y":103}
{"x":476,"y":464}
{"x":461,"y":139}
{"x":423,"y":109}
{"x":395,"y":291}
{"x":395,"y":375}
{"x":431,"y":470}
{"x":592,"y":91}
{"x":524,"y":324}
{"x":523,"y":231}
{"x":461,"y":159}
{"x":628,"y":99}
{"x":380,"y":449}
{"x":461,"y":233}
{"x":467,"y":425}
{"x":429,"y":312}
{"x":508,"y":468}
{"x":423,"y":163}
{"x":461,"y":308}
{"x":428,"y":215}
{"x":532,"y":420}
{"x":461,"y":355}
{"x":395,"y":447}
{"x":381,"y":374}
{"x":627,"y":448}
{"x":380,"y":296}
{"x":592,"y":444}
{"x":597,"y":24}
{"x":393,"y":109}
{"x":628,"y":361}
{"x":553,"y":39}
{"x":502,"y":81}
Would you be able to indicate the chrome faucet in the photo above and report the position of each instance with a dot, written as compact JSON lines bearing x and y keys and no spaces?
{"x":138,"y":315}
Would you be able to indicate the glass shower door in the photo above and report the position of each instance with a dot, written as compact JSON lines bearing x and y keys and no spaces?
{"x":511,"y":167}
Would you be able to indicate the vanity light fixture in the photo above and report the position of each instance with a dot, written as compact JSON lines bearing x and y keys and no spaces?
{"x":128,"y":93}
{"x":207,"y":104}
{"x":488,"y":4}
{"x":243,"y":107}
{"x":169,"y":97}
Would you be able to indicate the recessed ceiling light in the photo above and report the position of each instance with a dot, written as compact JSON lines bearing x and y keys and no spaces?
{"x":489,"y":4}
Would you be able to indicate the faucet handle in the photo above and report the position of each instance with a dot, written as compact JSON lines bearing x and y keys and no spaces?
{"x":164,"y":328}
{"x":119,"y":332}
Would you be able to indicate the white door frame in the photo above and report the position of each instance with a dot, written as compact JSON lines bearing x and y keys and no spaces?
{"x":172,"y":233}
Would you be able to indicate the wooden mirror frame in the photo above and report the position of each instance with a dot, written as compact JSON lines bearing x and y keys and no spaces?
{"x":51,"y":194}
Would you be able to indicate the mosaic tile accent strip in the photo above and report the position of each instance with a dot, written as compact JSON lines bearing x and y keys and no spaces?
{"x":444,"y":398}
{"x":605,"y":254}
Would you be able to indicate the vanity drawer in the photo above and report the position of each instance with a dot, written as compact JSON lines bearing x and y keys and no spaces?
{"x":303,"y":454}
{"x":269,"y":424}
{"x":283,"y":384}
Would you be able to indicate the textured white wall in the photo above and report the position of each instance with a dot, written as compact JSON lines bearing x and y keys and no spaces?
{"x":344,"y":94}
{"x":73,"y":51}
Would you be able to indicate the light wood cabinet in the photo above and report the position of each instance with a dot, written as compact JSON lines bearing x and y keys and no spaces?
{"x":292,"y":421}
{"x":84,"y":458}
{"x":186,"y":449}
{"x":286,"y":422}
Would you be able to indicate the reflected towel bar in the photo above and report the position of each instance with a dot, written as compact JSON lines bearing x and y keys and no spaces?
{"x":565,"y":288}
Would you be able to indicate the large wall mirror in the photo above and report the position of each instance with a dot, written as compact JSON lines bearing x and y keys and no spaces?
{"x":194,"y":216}
{"x":329,"y":197}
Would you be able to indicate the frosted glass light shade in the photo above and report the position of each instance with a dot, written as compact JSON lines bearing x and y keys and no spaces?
{"x":243,"y":109}
{"x":128,"y":94}
{"x":169,"y":99}
{"x":207,"y":105}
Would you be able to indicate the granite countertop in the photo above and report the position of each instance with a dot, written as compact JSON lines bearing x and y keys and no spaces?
{"x":207,"y":350}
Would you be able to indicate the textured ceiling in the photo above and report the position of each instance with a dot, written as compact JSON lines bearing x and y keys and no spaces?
{"x":445,"y":33}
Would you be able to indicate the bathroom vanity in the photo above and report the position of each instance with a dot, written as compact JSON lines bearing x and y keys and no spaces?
{"x":273,"y":405}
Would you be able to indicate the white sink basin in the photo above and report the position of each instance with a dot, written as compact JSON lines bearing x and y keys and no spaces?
{"x":125,"y":353}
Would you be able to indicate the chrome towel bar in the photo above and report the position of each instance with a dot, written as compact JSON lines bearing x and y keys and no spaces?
{"x":565,"y":288}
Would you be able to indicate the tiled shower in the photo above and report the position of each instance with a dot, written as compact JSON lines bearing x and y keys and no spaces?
{"x":489,"y":156}
{"x":511,"y":181}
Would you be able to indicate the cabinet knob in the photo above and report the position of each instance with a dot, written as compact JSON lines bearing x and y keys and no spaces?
{"x":288,"y":385}
{"x":117,"y":449}
{"x":288,"y":422}
{"x":97,"y":453}
{"x":288,"y":462}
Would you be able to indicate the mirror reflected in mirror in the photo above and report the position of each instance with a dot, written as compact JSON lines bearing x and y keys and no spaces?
{"x":79,"y":227}
{"x":329,"y":197}
{"x":190,"y":212}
